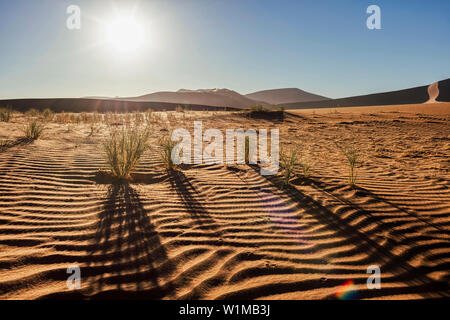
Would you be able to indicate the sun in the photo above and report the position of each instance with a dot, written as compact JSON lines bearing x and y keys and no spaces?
{"x":125,"y":34}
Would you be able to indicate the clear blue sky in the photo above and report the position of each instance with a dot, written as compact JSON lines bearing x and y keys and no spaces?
{"x":246,"y":45}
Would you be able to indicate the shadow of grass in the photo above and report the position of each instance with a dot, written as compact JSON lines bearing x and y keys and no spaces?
{"x":188,"y":195}
{"x":415,"y":277}
{"x":126,"y":255}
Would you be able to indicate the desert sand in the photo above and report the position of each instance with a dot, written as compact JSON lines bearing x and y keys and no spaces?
{"x":226,"y":232}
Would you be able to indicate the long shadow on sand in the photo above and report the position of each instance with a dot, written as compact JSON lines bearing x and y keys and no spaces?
{"x":15,"y":143}
{"x":188,"y":193}
{"x":417,"y":278}
{"x":127,"y":256}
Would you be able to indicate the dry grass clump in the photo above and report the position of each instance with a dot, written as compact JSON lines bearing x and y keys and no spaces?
{"x":32,"y":113}
{"x":123,"y":150}
{"x":167,"y":146}
{"x":298,"y":158}
{"x":48,"y":115}
{"x":6,"y":114}
{"x":33,"y":130}
{"x":62,"y":118}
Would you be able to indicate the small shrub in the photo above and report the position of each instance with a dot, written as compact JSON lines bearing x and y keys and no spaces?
{"x":33,"y":130}
{"x":257,"y":109}
{"x":123,"y":150}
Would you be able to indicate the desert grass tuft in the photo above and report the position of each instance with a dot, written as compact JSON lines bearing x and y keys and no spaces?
{"x":48,"y":115}
{"x":288,"y":162}
{"x":6,"y":114}
{"x":33,"y":130}
{"x":123,"y":150}
{"x":352,"y":154}
{"x":167,"y":146}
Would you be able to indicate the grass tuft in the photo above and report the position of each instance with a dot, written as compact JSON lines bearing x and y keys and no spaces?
{"x":123,"y":150}
{"x":6,"y":114}
{"x":352,"y":154}
{"x":48,"y":115}
{"x":166,"y":153}
{"x":33,"y":130}
{"x":288,"y":162}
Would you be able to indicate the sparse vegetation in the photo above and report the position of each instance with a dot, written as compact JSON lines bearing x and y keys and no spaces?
{"x":33,"y":130}
{"x":6,"y":114}
{"x":32,"y":113}
{"x":123,"y":150}
{"x":257,"y":109}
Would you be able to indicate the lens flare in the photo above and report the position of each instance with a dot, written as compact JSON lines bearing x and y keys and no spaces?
{"x":346,"y":291}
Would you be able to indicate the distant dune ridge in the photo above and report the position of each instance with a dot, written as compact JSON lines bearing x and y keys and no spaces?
{"x":438,"y":91}
{"x":444,"y":91}
{"x":217,"y":99}
{"x":98,"y":105}
{"x":210,"y":97}
{"x":286,"y":95}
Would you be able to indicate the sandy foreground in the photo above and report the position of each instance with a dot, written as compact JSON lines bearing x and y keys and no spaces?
{"x":216,"y":232}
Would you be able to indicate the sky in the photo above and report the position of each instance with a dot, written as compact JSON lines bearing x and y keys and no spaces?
{"x":321,"y":46}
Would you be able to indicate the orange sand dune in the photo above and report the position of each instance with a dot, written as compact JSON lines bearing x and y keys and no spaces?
{"x":215,"y":232}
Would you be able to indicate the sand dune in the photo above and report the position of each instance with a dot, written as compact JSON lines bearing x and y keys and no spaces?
{"x":440,"y":91}
{"x":210,"y":97}
{"x":286,"y":95}
{"x":215,"y":232}
{"x":218,"y":99}
{"x":98,"y":105}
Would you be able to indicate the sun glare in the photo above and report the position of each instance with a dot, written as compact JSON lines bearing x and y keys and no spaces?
{"x":125,"y":34}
